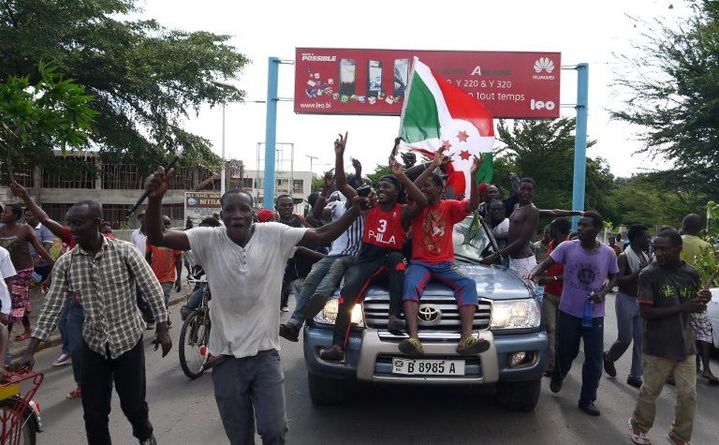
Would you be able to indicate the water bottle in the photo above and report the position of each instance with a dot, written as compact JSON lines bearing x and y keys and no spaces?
{"x":587,"y":314}
{"x":539,"y":292}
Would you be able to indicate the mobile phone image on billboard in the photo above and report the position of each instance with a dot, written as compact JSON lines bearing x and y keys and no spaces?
{"x":374,"y":78}
{"x":348,"y":77}
{"x":401,"y":76}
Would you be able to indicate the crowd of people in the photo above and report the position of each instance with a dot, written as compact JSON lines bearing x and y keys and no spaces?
{"x":105,"y":293}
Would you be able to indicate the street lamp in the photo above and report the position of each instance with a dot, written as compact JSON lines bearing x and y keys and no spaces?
{"x":229,"y":86}
{"x":312,"y":158}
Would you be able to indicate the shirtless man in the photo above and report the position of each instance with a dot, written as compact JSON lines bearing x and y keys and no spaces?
{"x":522,"y":224}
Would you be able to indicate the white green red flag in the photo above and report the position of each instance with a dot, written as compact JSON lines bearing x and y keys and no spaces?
{"x":436,"y":113}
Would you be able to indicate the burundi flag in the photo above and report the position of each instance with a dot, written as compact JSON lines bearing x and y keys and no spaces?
{"x":436,"y":113}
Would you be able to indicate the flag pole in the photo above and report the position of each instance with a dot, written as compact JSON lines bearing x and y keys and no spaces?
{"x":406,"y":95}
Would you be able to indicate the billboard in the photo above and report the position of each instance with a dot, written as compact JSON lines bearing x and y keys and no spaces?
{"x":373,"y":81}
{"x":200,"y":205}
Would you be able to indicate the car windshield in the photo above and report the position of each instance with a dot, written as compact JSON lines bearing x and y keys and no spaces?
{"x":472,"y":239}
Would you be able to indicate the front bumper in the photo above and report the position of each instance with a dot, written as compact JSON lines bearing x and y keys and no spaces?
{"x":369,"y":356}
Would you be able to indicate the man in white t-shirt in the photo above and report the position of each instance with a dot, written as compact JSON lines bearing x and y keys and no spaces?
{"x":7,"y":270}
{"x":138,"y":237}
{"x":244,"y":263}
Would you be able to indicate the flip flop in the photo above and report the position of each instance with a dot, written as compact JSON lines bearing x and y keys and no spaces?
{"x":21,"y":337}
{"x":712,"y":379}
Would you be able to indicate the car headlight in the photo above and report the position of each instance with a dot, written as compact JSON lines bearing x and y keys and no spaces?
{"x":515,"y":314}
{"x":328,"y":314}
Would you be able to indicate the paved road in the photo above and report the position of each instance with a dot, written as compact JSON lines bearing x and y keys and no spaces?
{"x":184,"y":412}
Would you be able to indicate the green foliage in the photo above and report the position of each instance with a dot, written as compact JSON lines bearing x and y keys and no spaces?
{"x":145,"y":79}
{"x":673,"y":88}
{"x":653,"y":199}
{"x":379,"y":171}
{"x":544,"y":151}
{"x":37,"y":118}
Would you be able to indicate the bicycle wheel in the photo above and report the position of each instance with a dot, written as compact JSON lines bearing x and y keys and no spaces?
{"x":16,"y":430}
{"x":194,"y":336}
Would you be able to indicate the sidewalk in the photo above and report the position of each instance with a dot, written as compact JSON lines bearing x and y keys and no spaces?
{"x":37,"y":299}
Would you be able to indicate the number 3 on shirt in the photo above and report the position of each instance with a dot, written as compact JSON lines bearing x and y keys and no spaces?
{"x":382,"y":226}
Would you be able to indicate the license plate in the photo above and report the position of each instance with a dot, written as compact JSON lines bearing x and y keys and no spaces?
{"x":427,"y":367}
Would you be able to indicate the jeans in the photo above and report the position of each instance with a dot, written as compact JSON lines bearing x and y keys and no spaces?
{"x":75,"y":317}
{"x":656,"y":371}
{"x":569,"y":333}
{"x":62,"y":327}
{"x":419,"y":273}
{"x":167,"y":291}
{"x":196,"y":298}
{"x":97,"y":376}
{"x":550,"y":308}
{"x":629,"y":327}
{"x":321,"y":282}
{"x":249,"y":390}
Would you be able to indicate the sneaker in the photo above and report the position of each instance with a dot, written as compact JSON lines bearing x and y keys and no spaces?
{"x":590,"y":409}
{"x":395,"y":325}
{"x":638,"y":437}
{"x":674,"y":441}
{"x":62,"y":360}
{"x":634,"y":381}
{"x":285,"y":309}
{"x":333,"y":354}
{"x":74,"y":394}
{"x":555,"y":384}
{"x":185,"y":312}
{"x":290,"y":332}
{"x":609,"y":365}
{"x":411,"y":346}
{"x":149,"y":441}
{"x":472,"y":346}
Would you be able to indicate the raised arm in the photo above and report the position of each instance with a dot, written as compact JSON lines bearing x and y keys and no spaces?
{"x":558,"y":213}
{"x":318,"y":210}
{"x":157,"y":184}
{"x":340,"y":178}
{"x":330,"y":232}
{"x":473,"y":202}
{"x":419,"y":201}
{"x":55,"y":227}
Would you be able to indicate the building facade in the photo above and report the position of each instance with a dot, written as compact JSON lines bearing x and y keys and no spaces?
{"x":115,"y":186}
{"x":297,"y":184}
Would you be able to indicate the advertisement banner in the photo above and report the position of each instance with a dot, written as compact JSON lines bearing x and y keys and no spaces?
{"x":200,"y":205}
{"x":512,"y":85}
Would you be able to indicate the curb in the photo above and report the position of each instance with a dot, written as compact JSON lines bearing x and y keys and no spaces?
{"x":17,"y":348}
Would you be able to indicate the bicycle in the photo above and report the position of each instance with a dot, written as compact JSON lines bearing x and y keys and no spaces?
{"x":195,"y":335}
{"x":19,"y":413}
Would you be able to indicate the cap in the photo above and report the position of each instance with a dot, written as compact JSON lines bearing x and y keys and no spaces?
{"x":265,"y":215}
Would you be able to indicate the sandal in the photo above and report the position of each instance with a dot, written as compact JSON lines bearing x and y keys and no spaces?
{"x":22,"y":337}
{"x":74,"y":394}
{"x":411,"y":346}
{"x":712,"y":379}
{"x":333,"y":354}
{"x":472,"y":346}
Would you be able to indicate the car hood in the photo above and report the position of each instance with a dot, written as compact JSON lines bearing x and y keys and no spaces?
{"x":493,"y":282}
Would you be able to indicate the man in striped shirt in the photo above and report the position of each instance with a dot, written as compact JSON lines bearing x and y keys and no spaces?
{"x":326,"y":274}
{"x":102,"y":274}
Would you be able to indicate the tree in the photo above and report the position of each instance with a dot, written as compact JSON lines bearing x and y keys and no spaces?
{"x":674,"y":94}
{"x":544,"y":151}
{"x":144,"y":78}
{"x":35,"y":119}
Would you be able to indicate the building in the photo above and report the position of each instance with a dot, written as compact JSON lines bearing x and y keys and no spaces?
{"x":116,"y":186}
{"x":297,"y":184}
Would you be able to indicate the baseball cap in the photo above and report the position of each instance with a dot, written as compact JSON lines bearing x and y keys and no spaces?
{"x":265,"y":215}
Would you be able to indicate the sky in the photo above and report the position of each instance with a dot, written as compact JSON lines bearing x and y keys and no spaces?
{"x":590,"y":32}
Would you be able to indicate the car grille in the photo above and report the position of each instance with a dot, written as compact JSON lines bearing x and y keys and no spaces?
{"x":375,"y":310}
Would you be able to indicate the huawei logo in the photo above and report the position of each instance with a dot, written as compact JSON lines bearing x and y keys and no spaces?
{"x":543,"y":64}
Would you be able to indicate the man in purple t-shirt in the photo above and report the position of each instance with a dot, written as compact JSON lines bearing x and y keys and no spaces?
{"x":589,"y":271}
